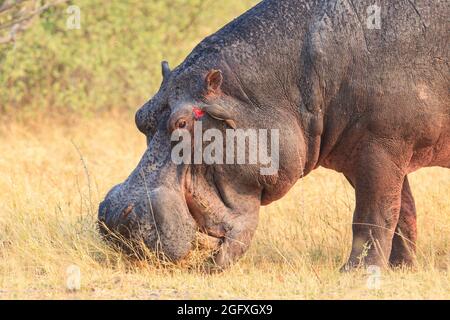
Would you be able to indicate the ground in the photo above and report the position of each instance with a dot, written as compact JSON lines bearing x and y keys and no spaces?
{"x":54,"y":173}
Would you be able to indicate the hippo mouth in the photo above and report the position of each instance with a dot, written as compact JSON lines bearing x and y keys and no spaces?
{"x":207,"y":242}
{"x":208,"y":210}
{"x":208,"y":237}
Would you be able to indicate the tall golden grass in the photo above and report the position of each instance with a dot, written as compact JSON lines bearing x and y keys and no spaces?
{"x":53,"y":174}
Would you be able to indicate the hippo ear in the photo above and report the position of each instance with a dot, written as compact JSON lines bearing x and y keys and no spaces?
{"x":213,"y":80}
{"x":220,"y":113}
{"x":165,"y":70}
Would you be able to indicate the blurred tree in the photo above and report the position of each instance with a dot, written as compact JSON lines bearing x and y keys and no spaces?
{"x":111,"y":61}
{"x":18,"y":15}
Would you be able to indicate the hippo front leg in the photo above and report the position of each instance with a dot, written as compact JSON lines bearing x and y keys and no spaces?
{"x":378,"y":181}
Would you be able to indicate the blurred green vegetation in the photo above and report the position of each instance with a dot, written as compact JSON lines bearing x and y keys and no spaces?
{"x":112,"y":61}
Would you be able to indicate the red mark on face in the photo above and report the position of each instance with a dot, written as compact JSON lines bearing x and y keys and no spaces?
{"x":198,"y":113}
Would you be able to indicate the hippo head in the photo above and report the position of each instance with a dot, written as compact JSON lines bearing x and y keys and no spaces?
{"x":216,"y":189}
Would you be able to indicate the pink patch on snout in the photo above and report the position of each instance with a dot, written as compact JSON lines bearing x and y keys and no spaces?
{"x":198,"y":113}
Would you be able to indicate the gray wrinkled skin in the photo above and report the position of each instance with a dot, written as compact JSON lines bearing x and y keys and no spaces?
{"x":372,"y":104}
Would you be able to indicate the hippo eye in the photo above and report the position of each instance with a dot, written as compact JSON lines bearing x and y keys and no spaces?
{"x":181,"y":124}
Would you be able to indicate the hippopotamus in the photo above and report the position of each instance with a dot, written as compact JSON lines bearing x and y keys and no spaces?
{"x":359,"y":88}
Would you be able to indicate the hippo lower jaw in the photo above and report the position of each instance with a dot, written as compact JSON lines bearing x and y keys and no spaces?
{"x":226,"y":218}
{"x":207,"y":208}
{"x":208,"y":236}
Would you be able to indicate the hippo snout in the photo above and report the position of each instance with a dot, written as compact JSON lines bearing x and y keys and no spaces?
{"x":111,"y":210}
{"x":159,"y":218}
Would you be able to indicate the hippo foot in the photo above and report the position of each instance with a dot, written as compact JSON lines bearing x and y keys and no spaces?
{"x":403,"y":257}
{"x":359,"y":264}
{"x":408,"y":263}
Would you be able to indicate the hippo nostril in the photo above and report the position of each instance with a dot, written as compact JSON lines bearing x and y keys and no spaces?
{"x":127,"y":210}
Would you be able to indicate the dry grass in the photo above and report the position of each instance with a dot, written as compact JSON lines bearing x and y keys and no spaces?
{"x":48,"y":212}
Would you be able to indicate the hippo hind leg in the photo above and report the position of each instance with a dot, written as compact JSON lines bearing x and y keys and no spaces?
{"x":378,"y":177}
{"x":403,"y":251}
